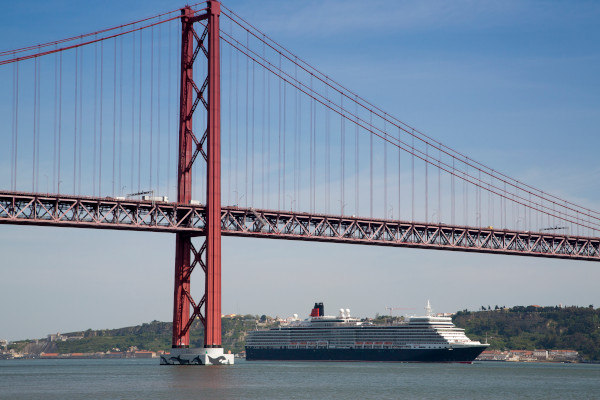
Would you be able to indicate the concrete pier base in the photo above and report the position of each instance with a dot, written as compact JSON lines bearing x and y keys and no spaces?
{"x":197,"y":356}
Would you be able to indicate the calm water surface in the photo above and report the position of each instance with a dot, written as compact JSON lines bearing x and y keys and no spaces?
{"x":145,"y":379}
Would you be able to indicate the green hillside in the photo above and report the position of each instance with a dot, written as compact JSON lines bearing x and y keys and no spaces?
{"x":152,"y":336}
{"x":533,"y":327}
{"x":157,"y":336}
{"x":526,"y":328}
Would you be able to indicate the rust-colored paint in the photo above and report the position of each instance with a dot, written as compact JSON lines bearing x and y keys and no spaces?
{"x":212,"y":329}
{"x":181,"y":303}
{"x":183,"y":246}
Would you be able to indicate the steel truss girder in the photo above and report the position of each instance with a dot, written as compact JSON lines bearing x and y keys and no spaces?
{"x":329,"y":228}
{"x":88,"y":212}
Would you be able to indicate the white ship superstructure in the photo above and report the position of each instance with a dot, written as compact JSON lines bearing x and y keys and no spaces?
{"x":424,"y":338}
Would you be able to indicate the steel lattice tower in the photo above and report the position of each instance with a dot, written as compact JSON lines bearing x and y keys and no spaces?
{"x":208,"y":256}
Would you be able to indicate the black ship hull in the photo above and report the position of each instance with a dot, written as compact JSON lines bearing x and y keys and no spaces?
{"x":461,"y":354}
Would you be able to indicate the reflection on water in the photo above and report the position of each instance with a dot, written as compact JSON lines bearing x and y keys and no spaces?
{"x":146,"y":379}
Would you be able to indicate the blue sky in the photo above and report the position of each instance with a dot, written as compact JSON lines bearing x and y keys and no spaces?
{"x":513,"y":84}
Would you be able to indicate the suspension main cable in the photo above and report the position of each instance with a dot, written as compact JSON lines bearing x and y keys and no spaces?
{"x":339,"y":108}
{"x":43,"y":53}
{"x":406,"y":128}
{"x":256,"y":57}
{"x":69,"y":39}
{"x":400,"y":144}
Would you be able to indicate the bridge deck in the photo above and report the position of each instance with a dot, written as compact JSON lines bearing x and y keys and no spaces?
{"x":111,"y":213}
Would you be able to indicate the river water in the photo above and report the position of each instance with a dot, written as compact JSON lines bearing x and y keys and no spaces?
{"x":146,"y":379}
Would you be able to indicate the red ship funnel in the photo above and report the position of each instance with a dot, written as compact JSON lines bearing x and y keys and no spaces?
{"x":318,"y":310}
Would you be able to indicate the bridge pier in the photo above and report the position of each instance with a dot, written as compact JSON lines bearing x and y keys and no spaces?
{"x":197,"y":356}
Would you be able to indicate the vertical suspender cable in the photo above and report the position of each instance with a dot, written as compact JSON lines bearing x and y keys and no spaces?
{"x":452,"y":200}
{"x":229,"y":112}
{"x":75,"y":124}
{"x":55,"y":122}
{"x":114,"y":138}
{"x":548,"y":216}
{"x":528,"y":222}
{"x":279,"y":192}
{"x":95,"y":115}
{"x":101,"y":117}
{"x":490,"y":215}
{"x":502,"y":215}
{"x":269,"y":175}
{"x":385,"y":183}
{"x":80,"y":121}
{"x":151,"y":147}
{"x":237,"y":124}
{"x":426,"y":182}
{"x":356,"y":163}
{"x":132,"y":141}
{"x":316,"y":158}
{"x":284,"y":135}
{"x":327,"y":150}
{"x":315,"y":149}
{"x":120,"y":168}
{"x":371,"y":167}
{"x":158,"y":108}
{"x":169,"y":109}
{"x":519,"y":220}
{"x":466,"y":186}
{"x":399,"y":175}
{"x":504,"y":208}
{"x":298,"y":147}
{"x":247,"y":105}
{"x":59,"y":120}
{"x":169,"y":135}
{"x":262,"y":136}
{"x":140,"y":120}
{"x":269,"y":141}
{"x":493,"y":205}
{"x":342,"y":155}
{"x":38,"y":80}
{"x":312,"y":156}
{"x":412,"y":148}
{"x":478,"y":220}
{"x":17,"y":130}
{"x":177,"y":87}
{"x":492,"y":221}
{"x":12,"y":132}
{"x":252,"y":203}
{"x":35,"y":133}
{"x":15,"y":154}
{"x":439,"y":185}
{"x":295,"y":145}
{"x":299,"y":153}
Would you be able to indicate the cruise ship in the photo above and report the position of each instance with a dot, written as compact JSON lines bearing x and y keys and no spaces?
{"x":428,"y":338}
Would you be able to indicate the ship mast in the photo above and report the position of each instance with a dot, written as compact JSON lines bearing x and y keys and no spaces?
{"x":428,"y":309}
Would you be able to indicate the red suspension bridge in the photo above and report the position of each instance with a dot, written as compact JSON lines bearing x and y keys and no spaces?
{"x":276,"y":148}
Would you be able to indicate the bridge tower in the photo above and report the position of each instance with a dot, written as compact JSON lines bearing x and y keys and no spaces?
{"x":208,"y":256}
